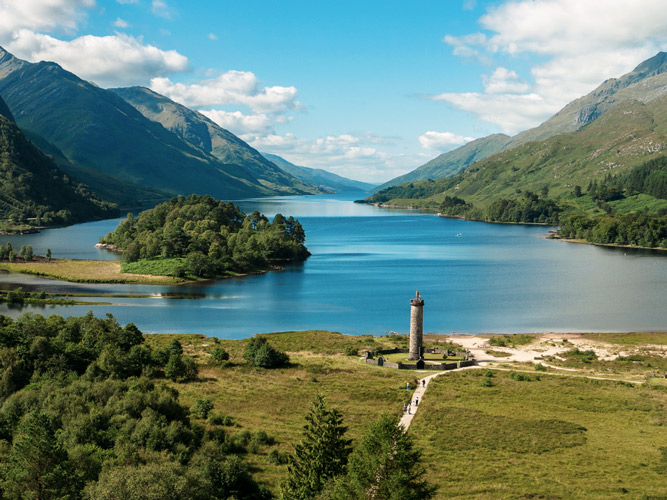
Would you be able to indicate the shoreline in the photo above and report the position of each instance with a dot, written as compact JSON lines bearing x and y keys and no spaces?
{"x":607,"y":245}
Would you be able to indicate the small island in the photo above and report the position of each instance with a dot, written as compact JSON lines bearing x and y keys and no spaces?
{"x":200,"y":237}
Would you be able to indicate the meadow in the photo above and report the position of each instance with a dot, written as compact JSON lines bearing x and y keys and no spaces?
{"x":484,"y":433}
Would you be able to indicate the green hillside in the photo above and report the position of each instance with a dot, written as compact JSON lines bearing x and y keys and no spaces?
{"x":206,"y":135}
{"x":127,"y":195}
{"x":628,"y":135}
{"x":95,"y":129}
{"x":582,"y":172}
{"x":33,"y":190}
{"x":318,"y":177}
{"x":455,"y":161}
{"x":645,"y":83}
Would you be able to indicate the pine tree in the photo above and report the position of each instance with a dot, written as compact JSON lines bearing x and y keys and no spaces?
{"x":385,"y":465}
{"x":320,"y":456}
{"x":38,"y":465}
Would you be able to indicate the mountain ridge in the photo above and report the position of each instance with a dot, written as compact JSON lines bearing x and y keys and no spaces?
{"x":98,"y":130}
{"x":318,"y":177}
{"x":208,"y":136}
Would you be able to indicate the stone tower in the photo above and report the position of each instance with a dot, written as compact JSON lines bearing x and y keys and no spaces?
{"x":416,"y":327}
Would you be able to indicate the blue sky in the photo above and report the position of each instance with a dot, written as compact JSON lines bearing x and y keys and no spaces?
{"x":366,"y":89}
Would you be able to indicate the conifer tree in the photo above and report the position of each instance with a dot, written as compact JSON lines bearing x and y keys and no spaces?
{"x":320,"y":456}
{"x":38,"y":465}
{"x":384,"y":465}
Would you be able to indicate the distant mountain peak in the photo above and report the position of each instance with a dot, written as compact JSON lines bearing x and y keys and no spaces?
{"x":653,"y":66}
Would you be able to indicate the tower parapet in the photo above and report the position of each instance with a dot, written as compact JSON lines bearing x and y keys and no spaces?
{"x":416,"y":327}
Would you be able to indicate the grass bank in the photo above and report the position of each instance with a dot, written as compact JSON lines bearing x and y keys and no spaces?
{"x":86,"y":271}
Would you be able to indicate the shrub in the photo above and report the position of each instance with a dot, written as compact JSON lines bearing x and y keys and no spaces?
{"x":487,"y":382}
{"x":488,"y":373}
{"x":539,"y":367}
{"x":219,"y":355}
{"x":351,"y":351}
{"x":277,"y":458}
{"x":219,"y":419}
{"x":497,"y":341}
{"x":202,"y":407}
{"x":260,"y":353}
{"x":520,"y":377}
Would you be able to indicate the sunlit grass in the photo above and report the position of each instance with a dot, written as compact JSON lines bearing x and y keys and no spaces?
{"x":85,"y":271}
{"x":555,"y":437}
{"x":545,"y":436}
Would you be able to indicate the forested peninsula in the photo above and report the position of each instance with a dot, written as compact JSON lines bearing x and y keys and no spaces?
{"x":201,"y":237}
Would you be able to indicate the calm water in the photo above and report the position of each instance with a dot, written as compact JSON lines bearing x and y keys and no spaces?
{"x":367,"y":264}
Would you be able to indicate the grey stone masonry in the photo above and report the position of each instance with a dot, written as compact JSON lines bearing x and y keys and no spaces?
{"x":416,"y":327}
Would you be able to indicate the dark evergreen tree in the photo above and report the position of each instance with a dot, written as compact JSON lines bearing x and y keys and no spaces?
{"x":38,"y":467}
{"x":384,"y":465}
{"x":320,"y":456}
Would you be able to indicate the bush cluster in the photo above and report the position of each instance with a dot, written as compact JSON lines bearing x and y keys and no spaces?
{"x":80,"y":418}
{"x":260,"y":353}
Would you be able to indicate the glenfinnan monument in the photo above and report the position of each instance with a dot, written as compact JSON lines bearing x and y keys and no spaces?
{"x":416,"y":327}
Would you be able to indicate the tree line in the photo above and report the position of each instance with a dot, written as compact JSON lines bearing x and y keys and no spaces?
{"x":206,"y":238}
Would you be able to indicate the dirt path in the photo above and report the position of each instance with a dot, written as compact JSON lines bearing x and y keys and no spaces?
{"x":406,"y":420}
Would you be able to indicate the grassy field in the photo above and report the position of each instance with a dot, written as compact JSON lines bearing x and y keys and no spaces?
{"x":550,"y":438}
{"x":85,"y":271}
{"x":276,"y":401}
{"x":546,"y":437}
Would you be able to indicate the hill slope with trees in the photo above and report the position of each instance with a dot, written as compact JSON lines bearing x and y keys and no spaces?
{"x":614,"y":165}
{"x":34,"y":191}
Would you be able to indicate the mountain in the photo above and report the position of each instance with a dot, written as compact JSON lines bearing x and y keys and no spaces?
{"x":645,"y":83}
{"x":627,"y":135}
{"x":128,"y":195}
{"x":451,"y":163}
{"x":32,"y":187}
{"x":320,"y":178}
{"x":203,"y":133}
{"x":95,"y":129}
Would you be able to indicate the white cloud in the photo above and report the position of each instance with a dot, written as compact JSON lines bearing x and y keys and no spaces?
{"x":161,"y":9}
{"x":513,"y":112}
{"x":240,"y":124}
{"x":212,"y":36}
{"x":43,"y":15}
{"x":356,"y":156}
{"x":232,"y":87}
{"x":469,"y":4}
{"x":579,"y":45}
{"x":123,"y":2}
{"x":118,"y":60}
{"x":442,"y":141}
{"x":504,"y":81}
{"x":468,"y":46}
{"x":120,"y":23}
